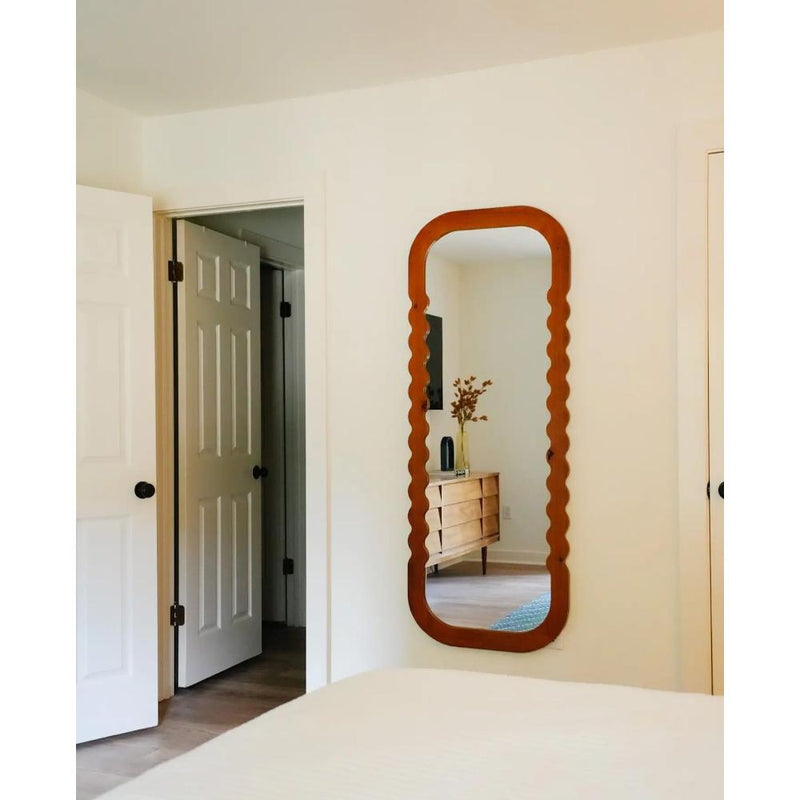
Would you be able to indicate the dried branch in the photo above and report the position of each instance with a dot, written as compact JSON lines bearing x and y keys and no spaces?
{"x":467,"y":394}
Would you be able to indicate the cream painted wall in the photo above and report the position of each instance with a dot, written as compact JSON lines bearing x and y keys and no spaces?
{"x":504,"y":337}
{"x":443,"y":283}
{"x":591,"y":139}
{"x":109,"y":139}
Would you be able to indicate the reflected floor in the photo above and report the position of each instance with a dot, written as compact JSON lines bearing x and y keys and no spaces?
{"x":461,"y":595}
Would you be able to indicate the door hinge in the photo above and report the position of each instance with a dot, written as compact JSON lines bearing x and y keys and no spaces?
{"x":175,"y":271}
{"x":286,"y":309}
{"x":288,"y":566}
{"x":177,"y":615}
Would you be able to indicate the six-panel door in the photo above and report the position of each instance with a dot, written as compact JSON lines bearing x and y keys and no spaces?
{"x":219,"y":428}
{"x":116,"y":530}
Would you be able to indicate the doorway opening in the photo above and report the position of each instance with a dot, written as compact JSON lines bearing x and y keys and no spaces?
{"x":239,"y":582}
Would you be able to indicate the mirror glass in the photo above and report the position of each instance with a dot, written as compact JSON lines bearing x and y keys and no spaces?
{"x":487,"y":414}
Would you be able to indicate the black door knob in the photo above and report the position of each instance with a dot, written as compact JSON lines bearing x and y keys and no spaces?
{"x":721,"y":490}
{"x":143,"y":490}
{"x":260,"y":472}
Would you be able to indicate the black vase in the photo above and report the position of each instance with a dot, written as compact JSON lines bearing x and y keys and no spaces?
{"x":447,"y":452}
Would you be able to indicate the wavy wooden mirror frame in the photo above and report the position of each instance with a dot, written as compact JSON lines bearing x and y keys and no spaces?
{"x":553,"y":624}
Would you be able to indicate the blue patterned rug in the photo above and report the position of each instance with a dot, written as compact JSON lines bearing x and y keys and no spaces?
{"x":526,"y":617}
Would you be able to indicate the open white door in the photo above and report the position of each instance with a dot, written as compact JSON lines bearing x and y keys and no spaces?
{"x":715,"y":411}
{"x":219,"y":391}
{"x":117,"y":679}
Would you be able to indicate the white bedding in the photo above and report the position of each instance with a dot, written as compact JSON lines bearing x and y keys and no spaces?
{"x":452,"y":735}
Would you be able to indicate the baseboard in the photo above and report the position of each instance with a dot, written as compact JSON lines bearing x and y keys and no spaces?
{"x":535,"y":557}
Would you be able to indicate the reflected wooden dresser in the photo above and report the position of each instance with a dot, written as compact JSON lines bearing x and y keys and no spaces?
{"x":464,"y":516}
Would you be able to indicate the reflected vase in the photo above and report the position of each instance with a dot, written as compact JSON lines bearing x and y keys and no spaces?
{"x":462,"y":449}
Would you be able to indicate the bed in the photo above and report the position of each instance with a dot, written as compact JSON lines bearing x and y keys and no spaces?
{"x":455,"y":735}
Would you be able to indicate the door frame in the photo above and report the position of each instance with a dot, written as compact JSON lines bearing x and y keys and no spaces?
{"x":696,"y":141}
{"x":318,"y":639}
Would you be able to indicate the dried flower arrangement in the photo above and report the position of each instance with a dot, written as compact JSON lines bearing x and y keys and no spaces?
{"x":466,"y":402}
{"x":463,"y":410}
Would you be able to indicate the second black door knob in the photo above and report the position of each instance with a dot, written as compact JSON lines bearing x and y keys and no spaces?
{"x":144,"y":490}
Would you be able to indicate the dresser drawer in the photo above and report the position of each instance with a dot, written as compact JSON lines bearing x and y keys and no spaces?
{"x":432,"y":544}
{"x":434,"y":496}
{"x":490,"y":525}
{"x":458,"y":492}
{"x":461,"y":534}
{"x":491,"y":486}
{"x":490,"y":505}
{"x":433,"y":519}
{"x":458,"y":513}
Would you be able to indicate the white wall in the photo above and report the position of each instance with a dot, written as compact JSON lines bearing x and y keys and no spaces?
{"x":591,"y":139}
{"x":109,"y":145}
{"x":504,"y":337}
{"x":443,"y":286}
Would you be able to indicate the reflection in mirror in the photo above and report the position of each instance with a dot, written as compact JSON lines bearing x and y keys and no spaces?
{"x":487,"y":393}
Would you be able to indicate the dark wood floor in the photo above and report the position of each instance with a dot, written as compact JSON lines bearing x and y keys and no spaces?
{"x":200,"y":713}
{"x":462,"y":596}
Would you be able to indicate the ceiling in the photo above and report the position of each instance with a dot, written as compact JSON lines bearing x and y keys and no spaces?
{"x":491,"y":246}
{"x":154,"y":57}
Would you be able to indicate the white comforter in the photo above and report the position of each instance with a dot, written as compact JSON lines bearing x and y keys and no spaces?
{"x":451,"y":735}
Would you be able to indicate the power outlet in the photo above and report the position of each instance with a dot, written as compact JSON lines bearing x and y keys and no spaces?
{"x":506,"y":512}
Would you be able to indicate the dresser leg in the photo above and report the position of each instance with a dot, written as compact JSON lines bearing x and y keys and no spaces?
{"x":483,"y":559}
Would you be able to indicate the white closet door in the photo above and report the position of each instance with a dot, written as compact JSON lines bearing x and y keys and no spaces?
{"x":715,"y":410}
{"x":220,"y":444}
{"x":117,"y":681}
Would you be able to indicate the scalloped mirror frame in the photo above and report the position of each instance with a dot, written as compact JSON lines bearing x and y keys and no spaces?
{"x":553,"y":624}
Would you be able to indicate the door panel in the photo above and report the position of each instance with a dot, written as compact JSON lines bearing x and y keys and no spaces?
{"x":715,"y":411}
{"x":219,"y":442}
{"x":242,"y":555}
{"x":241,"y":372}
{"x":103,"y":338}
{"x":116,"y":531}
{"x":210,"y":564}
{"x":104,"y":584}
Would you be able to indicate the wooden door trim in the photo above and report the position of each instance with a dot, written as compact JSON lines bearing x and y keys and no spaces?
{"x":696,"y":140}
{"x":162,"y":242}
{"x":318,"y":590}
{"x":553,"y":624}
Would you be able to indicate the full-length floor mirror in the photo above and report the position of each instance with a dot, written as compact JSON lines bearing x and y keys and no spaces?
{"x":488,"y":417}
